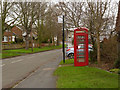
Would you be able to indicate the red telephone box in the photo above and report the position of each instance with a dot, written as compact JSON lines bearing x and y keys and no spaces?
{"x":81,"y":47}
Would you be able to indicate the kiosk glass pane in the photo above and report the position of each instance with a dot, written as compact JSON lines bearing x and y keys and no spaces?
{"x":80,"y":48}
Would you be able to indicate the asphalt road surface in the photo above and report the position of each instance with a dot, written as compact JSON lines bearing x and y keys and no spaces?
{"x":31,"y":71}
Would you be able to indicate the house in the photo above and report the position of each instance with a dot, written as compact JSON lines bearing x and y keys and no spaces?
{"x":17,"y":32}
{"x":10,"y":35}
{"x":32,"y":34}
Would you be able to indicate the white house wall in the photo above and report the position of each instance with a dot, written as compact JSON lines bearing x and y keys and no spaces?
{"x":13,"y":38}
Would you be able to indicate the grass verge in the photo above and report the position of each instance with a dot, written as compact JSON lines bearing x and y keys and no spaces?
{"x":67,"y":61}
{"x":17,"y":52}
{"x":84,"y":77}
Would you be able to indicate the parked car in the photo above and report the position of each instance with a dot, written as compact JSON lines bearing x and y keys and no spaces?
{"x":70,"y":51}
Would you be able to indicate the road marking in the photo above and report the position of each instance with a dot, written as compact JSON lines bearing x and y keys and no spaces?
{"x":17,"y":61}
{"x":2,"y":65}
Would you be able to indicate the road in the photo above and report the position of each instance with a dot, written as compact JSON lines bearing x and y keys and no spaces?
{"x":31,"y":71}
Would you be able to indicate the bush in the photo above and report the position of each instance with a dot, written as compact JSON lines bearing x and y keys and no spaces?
{"x":19,"y":40}
{"x":109,"y":50}
{"x":115,"y":71}
{"x":119,"y":71}
{"x":117,"y":64}
{"x":13,"y":42}
{"x":93,"y":55}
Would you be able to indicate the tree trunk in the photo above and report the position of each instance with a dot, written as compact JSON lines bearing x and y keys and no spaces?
{"x":98,"y":48}
{"x":118,"y":61}
{"x":58,"y":41}
{"x":27,"y":42}
{"x":39,"y":41}
{"x":32,"y":44}
{"x":118,"y":39}
{"x":39,"y":37}
{"x":53,"y":41}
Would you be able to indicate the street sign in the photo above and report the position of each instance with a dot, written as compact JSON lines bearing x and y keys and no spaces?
{"x":60,"y":19}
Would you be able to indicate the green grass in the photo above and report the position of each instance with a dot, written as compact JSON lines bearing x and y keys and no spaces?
{"x":67,"y":61}
{"x":0,"y":55}
{"x":85,"y":77}
{"x":17,"y":52}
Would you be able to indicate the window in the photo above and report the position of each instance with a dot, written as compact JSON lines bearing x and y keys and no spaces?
{"x":13,"y":38}
{"x":5,"y":39}
{"x":6,"y":30}
{"x":9,"y":38}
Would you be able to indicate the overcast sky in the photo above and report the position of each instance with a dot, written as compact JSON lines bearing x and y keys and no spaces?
{"x":59,"y":0}
{"x":56,"y":1}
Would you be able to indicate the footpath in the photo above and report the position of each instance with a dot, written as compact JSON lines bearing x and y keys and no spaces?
{"x":41,"y":78}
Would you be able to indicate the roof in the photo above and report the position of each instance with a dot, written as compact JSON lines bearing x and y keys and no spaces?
{"x":17,"y":31}
{"x":8,"y":34}
{"x":81,"y":29}
{"x":14,"y":31}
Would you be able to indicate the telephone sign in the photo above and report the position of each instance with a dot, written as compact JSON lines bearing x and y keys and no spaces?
{"x":81,"y":47}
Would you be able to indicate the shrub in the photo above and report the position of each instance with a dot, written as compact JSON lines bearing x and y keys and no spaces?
{"x":117,"y":64}
{"x":115,"y":71}
{"x":13,"y":42}
{"x":109,"y":50}
{"x":19,"y":40}
{"x":119,"y":71}
{"x":93,"y":55}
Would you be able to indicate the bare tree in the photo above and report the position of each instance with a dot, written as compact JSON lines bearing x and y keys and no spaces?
{"x":73,"y":13}
{"x":5,"y":12}
{"x":40,"y":21}
{"x":52,"y":22}
{"x":98,"y":19}
{"x":46,"y":23}
{"x":25,"y":13}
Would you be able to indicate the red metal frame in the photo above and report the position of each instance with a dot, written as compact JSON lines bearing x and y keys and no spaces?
{"x":85,"y":35}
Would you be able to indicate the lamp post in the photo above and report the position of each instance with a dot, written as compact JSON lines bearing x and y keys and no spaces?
{"x":63,"y":41}
{"x":61,"y":20}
